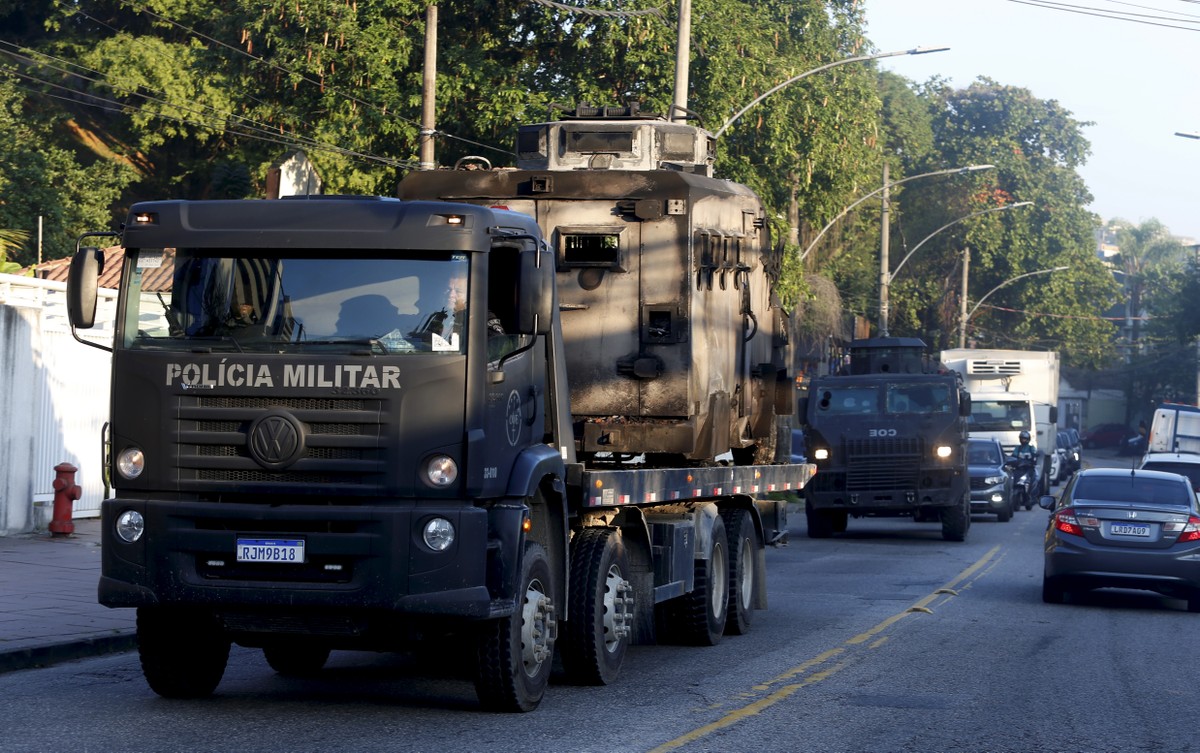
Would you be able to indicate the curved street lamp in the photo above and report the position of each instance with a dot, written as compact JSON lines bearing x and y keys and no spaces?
{"x":813,"y":243}
{"x":892,"y":276}
{"x":966,"y":315}
{"x":794,"y":79}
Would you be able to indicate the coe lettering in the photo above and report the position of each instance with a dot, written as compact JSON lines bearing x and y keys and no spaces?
{"x":881,"y":432}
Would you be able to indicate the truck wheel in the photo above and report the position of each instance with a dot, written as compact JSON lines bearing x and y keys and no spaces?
{"x":601,"y":608}
{"x":183,"y":653}
{"x":296,"y":659}
{"x":515,"y":653}
{"x":698,"y":618}
{"x":743,"y":546}
{"x":956,"y":520}
{"x":820,"y":522}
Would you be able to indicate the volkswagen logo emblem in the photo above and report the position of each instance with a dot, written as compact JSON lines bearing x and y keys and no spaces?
{"x":276,"y":440}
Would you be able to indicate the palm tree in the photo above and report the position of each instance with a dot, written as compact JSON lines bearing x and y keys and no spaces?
{"x":10,"y":239}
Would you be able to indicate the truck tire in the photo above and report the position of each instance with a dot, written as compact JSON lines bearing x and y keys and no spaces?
{"x":296,"y":659}
{"x":601,"y":608}
{"x":956,"y":520}
{"x":820,"y":522}
{"x":514,"y":654}
{"x":698,"y":618}
{"x":743,"y":546}
{"x":183,"y":653}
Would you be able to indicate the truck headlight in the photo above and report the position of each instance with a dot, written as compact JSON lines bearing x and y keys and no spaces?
{"x":131,"y":462}
{"x":438,"y":534}
{"x":821,"y":453}
{"x":943,"y":451}
{"x":441,"y":470}
{"x":130,"y":525}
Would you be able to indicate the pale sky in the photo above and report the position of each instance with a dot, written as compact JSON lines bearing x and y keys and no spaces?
{"x":1136,"y":82}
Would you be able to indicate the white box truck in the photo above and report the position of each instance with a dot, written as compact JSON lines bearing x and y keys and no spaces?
{"x":1011,"y":391}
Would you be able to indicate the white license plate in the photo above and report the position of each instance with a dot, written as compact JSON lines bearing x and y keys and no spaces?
{"x":1129,"y":529}
{"x":287,"y":551}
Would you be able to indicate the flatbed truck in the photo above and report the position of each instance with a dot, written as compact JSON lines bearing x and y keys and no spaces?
{"x":307,"y":455}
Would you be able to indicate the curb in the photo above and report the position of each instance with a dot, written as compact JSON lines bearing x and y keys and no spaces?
{"x":56,"y":653}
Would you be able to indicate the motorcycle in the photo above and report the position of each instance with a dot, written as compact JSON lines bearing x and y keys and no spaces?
{"x":1024,"y":473}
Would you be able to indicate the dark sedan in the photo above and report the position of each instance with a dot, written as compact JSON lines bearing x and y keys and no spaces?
{"x":1118,"y":528}
{"x":1106,"y":435}
{"x":991,"y":484}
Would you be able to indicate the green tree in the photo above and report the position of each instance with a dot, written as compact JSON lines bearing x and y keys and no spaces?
{"x":1036,"y":148}
{"x":1153,"y":273}
{"x":40,"y":178}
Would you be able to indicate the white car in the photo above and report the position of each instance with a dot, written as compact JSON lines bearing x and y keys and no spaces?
{"x":1057,"y":461}
{"x":1184,"y":463}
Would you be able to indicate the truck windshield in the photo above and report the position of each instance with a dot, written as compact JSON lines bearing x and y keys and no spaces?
{"x":239,"y":300}
{"x":918,"y":398}
{"x":1000,"y":415}
{"x":848,"y":399}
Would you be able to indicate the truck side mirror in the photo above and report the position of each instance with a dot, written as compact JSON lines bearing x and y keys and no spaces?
{"x":1053,"y":414}
{"x":802,"y":410}
{"x":83,"y":282}
{"x":964,"y":405}
{"x":535,"y":296}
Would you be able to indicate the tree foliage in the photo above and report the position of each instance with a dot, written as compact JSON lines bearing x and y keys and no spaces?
{"x":1035,"y":147}
{"x":109,"y":101}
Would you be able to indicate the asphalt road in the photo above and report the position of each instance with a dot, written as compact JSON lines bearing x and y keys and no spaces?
{"x":885,"y":638}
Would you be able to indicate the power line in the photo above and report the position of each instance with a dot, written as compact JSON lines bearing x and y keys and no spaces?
{"x":1086,"y":10}
{"x":256,"y":133}
{"x":596,"y":12}
{"x":283,"y":69}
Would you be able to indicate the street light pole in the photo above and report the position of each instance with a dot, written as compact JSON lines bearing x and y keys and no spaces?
{"x":843,"y":61}
{"x":955,"y":222}
{"x":962,"y":324}
{"x":813,"y":243}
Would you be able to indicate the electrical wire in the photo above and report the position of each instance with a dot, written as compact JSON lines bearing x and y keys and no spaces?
{"x":283,"y":69}
{"x":1087,"y":10}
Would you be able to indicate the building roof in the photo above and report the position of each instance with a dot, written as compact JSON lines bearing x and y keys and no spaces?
{"x":159,"y":278}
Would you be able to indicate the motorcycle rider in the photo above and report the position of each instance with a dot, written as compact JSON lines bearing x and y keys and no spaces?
{"x":1025,"y":457}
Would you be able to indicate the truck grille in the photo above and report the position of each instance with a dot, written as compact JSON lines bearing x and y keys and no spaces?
{"x":882,"y":464}
{"x":345,"y":442}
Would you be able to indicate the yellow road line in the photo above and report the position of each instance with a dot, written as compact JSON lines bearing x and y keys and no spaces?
{"x":744,"y":712}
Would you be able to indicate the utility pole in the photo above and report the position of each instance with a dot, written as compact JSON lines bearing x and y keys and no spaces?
{"x":884,"y":273}
{"x":962,"y":303}
{"x":683,"y":53}
{"x":429,"y":91}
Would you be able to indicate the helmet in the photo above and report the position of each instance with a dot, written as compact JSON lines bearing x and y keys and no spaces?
{"x":1023,"y":436}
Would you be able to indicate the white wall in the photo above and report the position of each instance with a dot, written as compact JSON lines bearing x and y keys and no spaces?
{"x":54,"y":400}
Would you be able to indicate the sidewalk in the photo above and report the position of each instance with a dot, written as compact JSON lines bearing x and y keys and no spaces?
{"x":48,"y":607}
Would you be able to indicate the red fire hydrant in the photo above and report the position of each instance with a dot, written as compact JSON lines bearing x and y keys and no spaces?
{"x":66,"y":491}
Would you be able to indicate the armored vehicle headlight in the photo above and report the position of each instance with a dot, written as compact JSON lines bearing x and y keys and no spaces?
{"x":821,"y":453}
{"x":438,"y":534}
{"x":943,"y":451}
{"x":130,"y":526}
{"x":131,"y":462}
{"x":441,"y":470}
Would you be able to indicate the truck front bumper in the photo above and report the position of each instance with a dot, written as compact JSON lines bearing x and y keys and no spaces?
{"x":357,"y":558}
